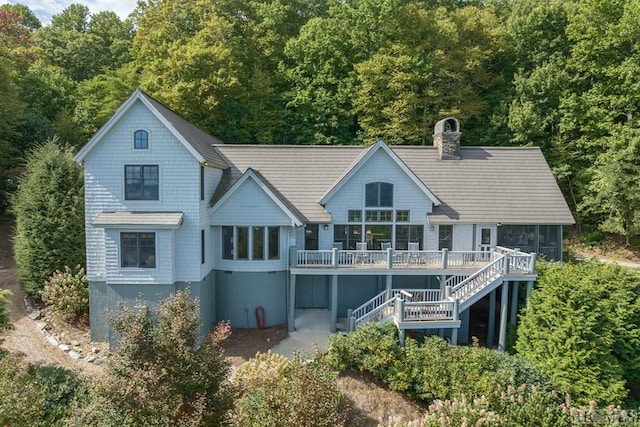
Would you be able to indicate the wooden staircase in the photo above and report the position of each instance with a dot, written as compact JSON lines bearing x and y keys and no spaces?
{"x":429,"y":309}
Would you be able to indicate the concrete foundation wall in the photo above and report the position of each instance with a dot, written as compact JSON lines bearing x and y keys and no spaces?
{"x":238,"y":294}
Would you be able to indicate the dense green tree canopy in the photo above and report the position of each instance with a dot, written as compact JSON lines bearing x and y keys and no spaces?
{"x":49,"y":212}
{"x":583,"y":329}
{"x":561,"y":75}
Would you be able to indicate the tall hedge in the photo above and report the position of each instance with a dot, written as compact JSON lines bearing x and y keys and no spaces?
{"x":49,"y":211}
{"x":582,"y":328}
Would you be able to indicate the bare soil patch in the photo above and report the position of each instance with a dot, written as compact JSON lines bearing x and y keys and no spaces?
{"x":243,"y":344}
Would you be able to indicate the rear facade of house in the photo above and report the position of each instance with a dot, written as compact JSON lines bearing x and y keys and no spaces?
{"x":257,"y":233}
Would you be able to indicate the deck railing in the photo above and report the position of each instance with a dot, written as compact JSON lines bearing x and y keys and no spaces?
{"x":426,"y":311}
{"x":390,"y":259}
{"x":478,"y":280}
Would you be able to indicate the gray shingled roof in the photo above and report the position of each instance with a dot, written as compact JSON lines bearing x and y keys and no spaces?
{"x":156,"y":219}
{"x":510,"y":185}
{"x":201,"y":141}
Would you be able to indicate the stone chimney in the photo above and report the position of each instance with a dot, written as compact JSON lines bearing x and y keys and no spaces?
{"x":446,"y":136}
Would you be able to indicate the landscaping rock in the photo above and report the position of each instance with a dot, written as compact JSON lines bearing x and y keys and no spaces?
{"x":64,"y":347}
{"x":52,"y":340}
{"x":35,"y":315}
{"x":74,"y":355}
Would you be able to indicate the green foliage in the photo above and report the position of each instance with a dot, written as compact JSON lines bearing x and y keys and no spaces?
{"x":5,"y":323}
{"x":37,"y":395}
{"x":582,"y":328}
{"x":260,"y":371}
{"x":160,"y":374}
{"x":432,"y":369}
{"x":67,"y":292}
{"x":49,"y":210}
{"x":303,"y":394}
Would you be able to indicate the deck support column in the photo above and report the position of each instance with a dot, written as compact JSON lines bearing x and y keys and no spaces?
{"x":514,"y":302}
{"x":334,"y":303}
{"x":454,"y":336}
{"x":491,"y":321}
{"x":504,"y":303}
{"x":291,"y":315}
{"x":389,"y":285}
{"x":529,"y":290}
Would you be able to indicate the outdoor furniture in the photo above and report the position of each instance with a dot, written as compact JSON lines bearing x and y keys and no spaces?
{"x":385,"y":245}
{"x":361,"y":257}
{"x":337,"y":245}
{"x":414,"y":252}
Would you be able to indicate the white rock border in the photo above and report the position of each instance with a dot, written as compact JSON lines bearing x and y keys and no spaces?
{"x":73,"y":352}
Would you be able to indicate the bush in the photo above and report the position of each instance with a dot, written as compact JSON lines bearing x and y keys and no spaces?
{"x":262,"y":370}
{"x":160,"y":374}
{"x":49,"y":211}
{"x":5,"y":322}
{"x":37,"y":395}
{"x":432,"y":369}
{"x":582,"y":328}
{"x":305,"y":394}
{"x":67,"y":292}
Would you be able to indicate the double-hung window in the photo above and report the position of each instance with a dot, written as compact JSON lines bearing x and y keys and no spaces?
{"x":141,"y":182}
{"x":138,"y":250}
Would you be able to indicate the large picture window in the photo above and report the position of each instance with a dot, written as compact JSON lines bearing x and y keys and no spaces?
{"x":379,"y":194}
{"x":250,"y":243}
{"x":138,"y":250}
{"x":141,"y":182}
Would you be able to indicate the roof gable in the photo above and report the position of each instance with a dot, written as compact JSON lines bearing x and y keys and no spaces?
{"x":197,"y":142}
{"x":274,"y":195}
{"x":362,"y":159}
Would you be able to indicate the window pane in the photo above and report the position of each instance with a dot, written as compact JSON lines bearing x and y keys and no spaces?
{"x":133,"y":182}
{"x":147,"y":243}
{"x":274,"y":242}
{"x":201,"y":182}
{"x":227,"y":242}
{"x":371,"y":194}
{"x":355,"y":215}
{"x":138,"y":250}
{"x":140,"y":139}
{"x":376,"y":234}
{"x":243,"y":242}
{"x":258,"y":242}
{"x":311,"y":237}
{"x":129,"y":249}
{"x":386,"y":194}
{"x":445,"y":237}
{"x":202,"y":254}
{"x":402,"y":216}
{"x":150,"y":180}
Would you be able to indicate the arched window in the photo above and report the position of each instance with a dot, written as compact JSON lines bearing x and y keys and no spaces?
{"x":140,"y":139}
{"x":379,"y":194}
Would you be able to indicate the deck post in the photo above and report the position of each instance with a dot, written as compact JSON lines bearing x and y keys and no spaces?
{"x":514,"y":302}
{"x":334,"y":258}
{"x":293,"y":256}
{"x":491,"y":328}
{"x":534,"y":258}
{"x":291,"y":315}
{"x":401,"y":336}
{"x":447,"y":292}
{"x":334,"y":303}
{"x":351,"y":321}
{"x":389,"y":284}
{"x":389,"y":258}
{"x":454,"y":336}
{"x":529,"y":290}
{"x":398,"y":306}
{"x":445,"y":258}
{"x":502,"y":338}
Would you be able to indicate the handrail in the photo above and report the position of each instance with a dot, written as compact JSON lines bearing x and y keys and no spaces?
{"x":463,"y":290}
{"x":374,"y":302}
{"x":429,"y":310}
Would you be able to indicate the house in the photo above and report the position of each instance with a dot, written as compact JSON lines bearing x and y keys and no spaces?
{"x":417,"y":234}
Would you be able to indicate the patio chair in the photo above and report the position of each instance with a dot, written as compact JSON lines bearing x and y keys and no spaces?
{"x":385,"y":245}
{"x":337,"y":245}
{"x":362,"y":257}
{"x":414,"y":252}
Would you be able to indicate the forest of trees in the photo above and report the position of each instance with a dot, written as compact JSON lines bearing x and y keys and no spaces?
{"x":563,"y":75}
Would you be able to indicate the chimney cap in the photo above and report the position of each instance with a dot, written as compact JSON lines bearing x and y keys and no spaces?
{"x":448,"y":125}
